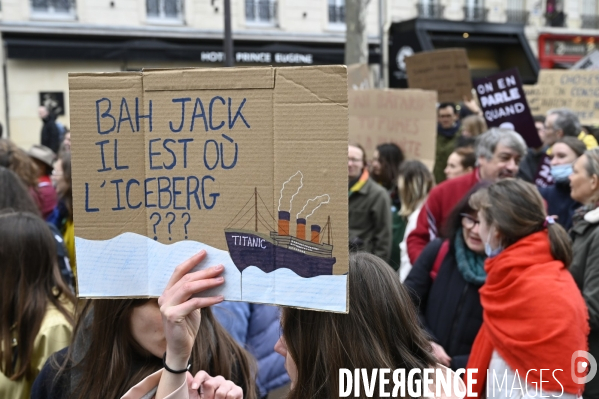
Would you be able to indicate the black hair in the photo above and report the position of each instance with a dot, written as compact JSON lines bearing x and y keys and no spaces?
{"x":445,"y":105}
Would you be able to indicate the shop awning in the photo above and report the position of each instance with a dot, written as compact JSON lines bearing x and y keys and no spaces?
{"x":491,"y":47}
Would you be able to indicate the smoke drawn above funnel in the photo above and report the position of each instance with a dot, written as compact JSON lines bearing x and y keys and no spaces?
{"x":301,"y":184}
{"x":320,"y":199}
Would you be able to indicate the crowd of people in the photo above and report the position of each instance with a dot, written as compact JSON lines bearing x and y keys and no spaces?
{"x":505,"y":231}
{"x":486,"y":261}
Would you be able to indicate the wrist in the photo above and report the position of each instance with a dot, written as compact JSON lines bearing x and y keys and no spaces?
{"x":175,"y":361}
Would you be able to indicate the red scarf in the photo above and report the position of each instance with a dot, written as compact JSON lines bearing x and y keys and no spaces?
{"x":534,"y":316}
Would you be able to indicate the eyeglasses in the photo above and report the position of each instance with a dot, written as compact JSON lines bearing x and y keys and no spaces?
{"x":468,"y":221}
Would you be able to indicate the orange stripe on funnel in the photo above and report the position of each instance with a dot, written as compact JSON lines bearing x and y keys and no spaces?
{"x":284,"y":223}
{"x":301,"y":229}
{"x":315,"y":233}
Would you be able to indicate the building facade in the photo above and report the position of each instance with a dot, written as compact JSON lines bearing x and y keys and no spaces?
{"x":44,"y":40}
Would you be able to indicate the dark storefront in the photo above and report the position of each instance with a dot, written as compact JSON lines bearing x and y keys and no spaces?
{"x":102,"y":48}
{"x":490,"y":47}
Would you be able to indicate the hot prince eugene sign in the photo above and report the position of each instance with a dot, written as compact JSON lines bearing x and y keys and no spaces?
{"x":249,"y":164}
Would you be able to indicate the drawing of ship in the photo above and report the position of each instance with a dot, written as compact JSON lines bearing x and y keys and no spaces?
{"x":279,"y":249}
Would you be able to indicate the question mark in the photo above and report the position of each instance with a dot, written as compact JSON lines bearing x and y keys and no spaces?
{"x":156,"y":224}
{"x":170,"y":223}
{"x":186,"y":223}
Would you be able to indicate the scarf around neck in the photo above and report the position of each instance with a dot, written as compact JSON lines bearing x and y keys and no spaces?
{"x":583,"y":210}
{"x":470,"y":264}
{"x":360,"y":183}
{"x":449,"y":132}
{"x":529,"y":299}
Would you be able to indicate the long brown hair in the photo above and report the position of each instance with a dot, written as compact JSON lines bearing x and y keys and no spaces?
{"x":381,"y":330}
{"x":414,"y":183}
{"x":390,"y":158}
{"x":17,"y":160}
{"x":30,"y":281}
{"x":516,"y":210}
{"x":113,"y":362}
{"x":67,"y":196}
{"x":13,"y":193}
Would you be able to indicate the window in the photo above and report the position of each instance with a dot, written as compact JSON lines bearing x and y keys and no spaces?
{"x":475,"y":11}
{"x":589,"y":17}
{"x":53,"y":8}
{"x":337,"y":11}
{"x":430,"y":9}
{"x":261,"y":12}
{"x":515,"y":12}
{"x":165,"y":10}
{"x":554,"y":13}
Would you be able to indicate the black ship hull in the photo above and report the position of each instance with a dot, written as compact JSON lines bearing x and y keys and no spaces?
{"x":262,"y":251}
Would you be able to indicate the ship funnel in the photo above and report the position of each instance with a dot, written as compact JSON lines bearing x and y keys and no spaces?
{"x":315,"y":233}
{"x":301,"y":229}
{"x":284,"y":217}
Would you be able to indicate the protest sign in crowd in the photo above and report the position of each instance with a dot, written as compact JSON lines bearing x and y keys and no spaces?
{"x":192,"y":238}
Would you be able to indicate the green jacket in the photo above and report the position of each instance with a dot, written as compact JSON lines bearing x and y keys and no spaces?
{"x":445,"y":146}
{"x":370,"y":220}
{"x":585,"y":270}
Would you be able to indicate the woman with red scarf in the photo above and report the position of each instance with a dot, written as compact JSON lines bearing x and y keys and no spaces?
{"x":534,"y":317}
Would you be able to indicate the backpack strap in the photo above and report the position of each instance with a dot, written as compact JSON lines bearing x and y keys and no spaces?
{"x":439,"y":259}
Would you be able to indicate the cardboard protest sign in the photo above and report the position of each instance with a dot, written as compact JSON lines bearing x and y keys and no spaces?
{"x":358,"y":77}
{"x":445,"y":71}
{"x":533,"y":94}
{"x":249,"y":164}
{"x":577,"y":90}
{"x":503,"y":102}
{"x":588,"y":62}
{"x":405,"y":117}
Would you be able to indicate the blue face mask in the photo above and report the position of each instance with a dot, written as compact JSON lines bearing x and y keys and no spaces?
{"x":561,"y":173}
{"x":491,"y":253}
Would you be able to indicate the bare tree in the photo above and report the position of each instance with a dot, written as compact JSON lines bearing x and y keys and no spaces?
{"x":356,"y":42}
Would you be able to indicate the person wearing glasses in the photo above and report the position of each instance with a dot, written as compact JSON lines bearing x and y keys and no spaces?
{"x":444,"y":283}
{"x":369,"y":208}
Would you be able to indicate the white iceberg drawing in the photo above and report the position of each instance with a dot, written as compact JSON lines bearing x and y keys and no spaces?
{"x":132,"y":265}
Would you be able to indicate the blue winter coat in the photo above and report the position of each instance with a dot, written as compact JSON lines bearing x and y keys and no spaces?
{"x":560,"y":203}
{"x":257,"y":328}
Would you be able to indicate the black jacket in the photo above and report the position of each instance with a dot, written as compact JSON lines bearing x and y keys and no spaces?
{"x":45,"y":386}
{"x":530,"y":164}
{"x":50,"y":134}
{"x":449,"y":307}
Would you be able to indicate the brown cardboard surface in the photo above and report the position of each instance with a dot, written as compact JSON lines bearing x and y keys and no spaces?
{"x":261,"y":126}
{"x":445,"y":71}
{"x":577,"y":90}
{"x":406,"y":117}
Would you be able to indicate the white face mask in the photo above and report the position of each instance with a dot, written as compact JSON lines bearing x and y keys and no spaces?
{"x":489,"y":250}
